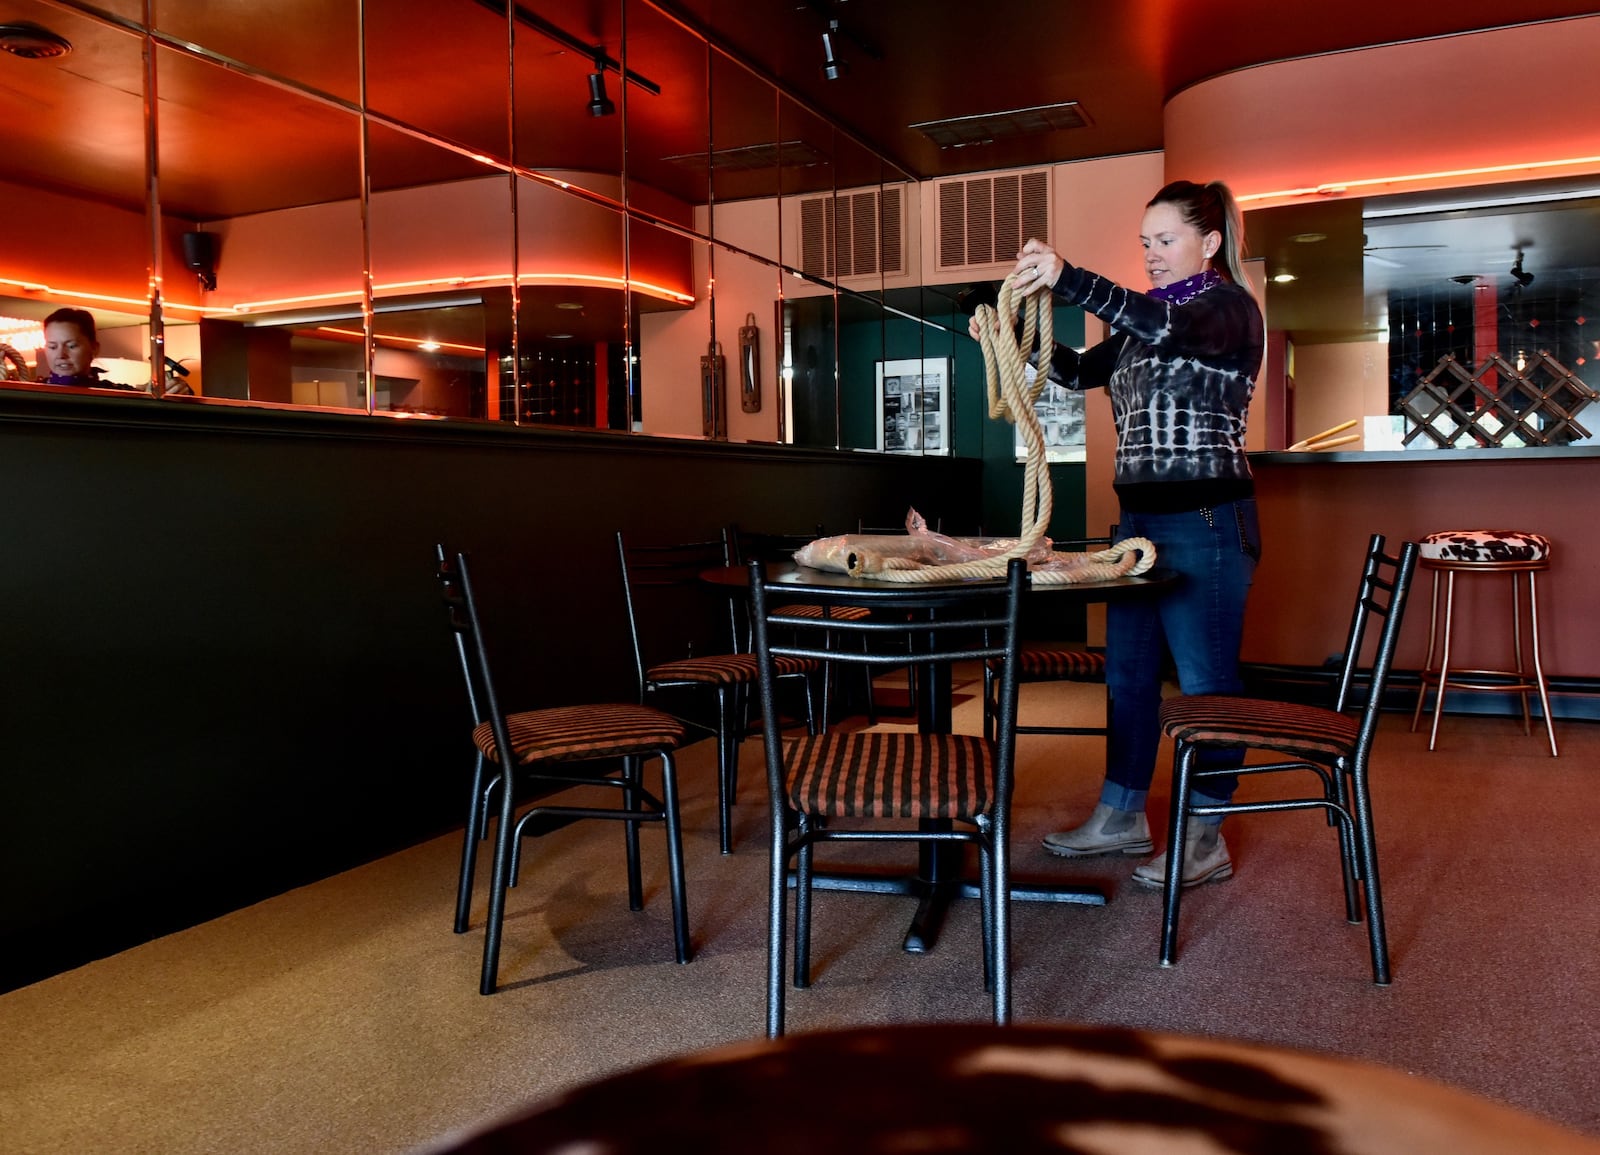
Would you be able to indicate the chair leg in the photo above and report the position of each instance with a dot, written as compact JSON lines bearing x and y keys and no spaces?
{"x":727,"y":757}
{"x":1427,"y":663}
{"x":1377,"y":934}
{"x":1182,"y":768}
{"x":476,"y":824}
{"x":777,"y":888}
{"x":631,"y":770}
{"x":1350,"y":868}
{"x":986,"y":910}
{"x":505,"y":840}
{"x":802,"y":911}
{"x":1000,"y":899}
{"x":1444,"y":660}
{"x":680,"y":893}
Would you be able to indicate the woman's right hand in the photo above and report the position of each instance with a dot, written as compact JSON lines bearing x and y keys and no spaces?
{"x":1038,"y":267}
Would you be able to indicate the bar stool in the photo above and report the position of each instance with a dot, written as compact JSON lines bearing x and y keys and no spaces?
{"x":1513,"y":552}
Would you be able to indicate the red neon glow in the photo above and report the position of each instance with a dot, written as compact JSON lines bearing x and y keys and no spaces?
{"x":1333,"y":188}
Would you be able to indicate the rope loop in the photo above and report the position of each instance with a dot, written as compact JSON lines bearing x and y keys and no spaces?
{"x":1012,"y":399}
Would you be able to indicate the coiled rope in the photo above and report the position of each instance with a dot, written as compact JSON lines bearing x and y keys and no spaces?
{"x":1011,"y":398}
{"x":13,"y":366}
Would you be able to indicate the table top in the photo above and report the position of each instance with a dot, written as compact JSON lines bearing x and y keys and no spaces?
{"x":817,"y":583}
{"x":967,"y":1088}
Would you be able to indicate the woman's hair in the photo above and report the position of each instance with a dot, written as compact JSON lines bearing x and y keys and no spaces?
{"x":1211,"y":207}
{"x":79,"y":317}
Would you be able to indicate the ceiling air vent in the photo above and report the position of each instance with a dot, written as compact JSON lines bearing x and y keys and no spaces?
{"x":985,"y":220}
{"x":988,"y":127}
{"x":854,"y":234}
{"x":32,"y":41}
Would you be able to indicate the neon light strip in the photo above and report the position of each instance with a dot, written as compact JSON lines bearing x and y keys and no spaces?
{"x":1333,"y":188}
{"x":415,"y":342}
{"x":143,"y":303}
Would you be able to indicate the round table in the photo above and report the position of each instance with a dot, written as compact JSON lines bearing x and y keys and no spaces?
{"x":959,"y":1088}
{"x":937,"y":881}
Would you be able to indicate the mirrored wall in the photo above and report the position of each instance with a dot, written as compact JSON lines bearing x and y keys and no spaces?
{"x":549,"y":213}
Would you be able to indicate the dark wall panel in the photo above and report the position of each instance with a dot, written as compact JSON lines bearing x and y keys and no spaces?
{"x":227,"y":671}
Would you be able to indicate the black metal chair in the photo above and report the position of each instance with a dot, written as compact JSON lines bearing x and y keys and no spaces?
{"x":891,"y":786}
{"x":553,"y":751}
{"x":1335,"y":745}
{"x":1053,"y":662}
{"x":700,"y":628}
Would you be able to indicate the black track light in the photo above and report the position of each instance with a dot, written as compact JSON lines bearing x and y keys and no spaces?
{"x":599,"y":103}
{"x":832,"y":66}
{"x":1523,"y":279}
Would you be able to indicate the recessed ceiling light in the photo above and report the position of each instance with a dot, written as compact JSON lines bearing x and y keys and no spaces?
{"x":568,"y":305}
{"x":428,"y":346}
{"x":1308,"y":238}
{"x":32,"y":41}
{"x":1283,"y":278}
{"x":558,"y":336}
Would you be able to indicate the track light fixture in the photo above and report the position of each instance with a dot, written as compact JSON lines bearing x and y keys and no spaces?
{"x":1523,"y":279}
{"x":832,"y":66}
{"x":599,"y":103}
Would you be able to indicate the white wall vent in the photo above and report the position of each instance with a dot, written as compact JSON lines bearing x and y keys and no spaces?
{"x":858,"y":233}
{"x":984,"y":220}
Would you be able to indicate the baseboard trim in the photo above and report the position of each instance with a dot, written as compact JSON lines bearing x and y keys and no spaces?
{"x":1571,"y":698}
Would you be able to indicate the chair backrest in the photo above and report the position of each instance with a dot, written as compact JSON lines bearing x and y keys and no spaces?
{"x":672,"y":613}
{"x":973,"y":621}
{"x":462,"y":609}
{"x":745,"y":546}
{"x":1385,"y":586}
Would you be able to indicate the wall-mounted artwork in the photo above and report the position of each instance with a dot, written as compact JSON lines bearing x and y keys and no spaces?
{"x":914,"y":405}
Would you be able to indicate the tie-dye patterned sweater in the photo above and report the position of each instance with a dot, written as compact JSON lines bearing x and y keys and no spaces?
{"x":1180,"y":373}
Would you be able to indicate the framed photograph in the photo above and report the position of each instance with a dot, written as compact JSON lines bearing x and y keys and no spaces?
{"x":1061,"y":417}
{"x":914,"y":406}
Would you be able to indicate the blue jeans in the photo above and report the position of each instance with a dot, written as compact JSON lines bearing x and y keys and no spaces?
{"x":1200,"y":624}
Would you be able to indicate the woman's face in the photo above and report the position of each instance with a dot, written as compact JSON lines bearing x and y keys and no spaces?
{"x":1174,"y":250}
{"x":67,"y":351}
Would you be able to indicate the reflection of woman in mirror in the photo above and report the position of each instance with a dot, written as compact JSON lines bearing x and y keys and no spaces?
{"x":1180,"y":367}
{"x":70,"y":347}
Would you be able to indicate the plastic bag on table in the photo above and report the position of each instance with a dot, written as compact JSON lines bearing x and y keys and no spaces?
{"x":873,"y":553}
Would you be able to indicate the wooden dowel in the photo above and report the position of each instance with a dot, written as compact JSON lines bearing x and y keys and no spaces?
{"x":1309,"y":447}
{"x":1320,"y":440}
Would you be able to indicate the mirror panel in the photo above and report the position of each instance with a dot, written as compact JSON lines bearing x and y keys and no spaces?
{"x":670,"y":271}
{"x":272,"y":178}
{"x":315,"y":43}
{"x":440,"y":244}
{"x":442,"y":67}
{"x":555,"y":130}
{"x":75,"y":196}
{"x":669,"y":131}
{"x":572,"y":321}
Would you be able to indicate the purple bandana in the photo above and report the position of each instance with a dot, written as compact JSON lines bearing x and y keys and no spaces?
{"x":1186,"y":290}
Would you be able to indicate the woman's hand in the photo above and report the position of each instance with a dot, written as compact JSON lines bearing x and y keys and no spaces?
{"x":1038,"y":267}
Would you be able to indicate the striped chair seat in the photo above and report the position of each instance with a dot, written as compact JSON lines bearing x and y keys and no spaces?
{"x":1294,"y":729}
{"x":835,"y":613}
{"x":583,"y":733}
{"x":877,"y":774}
{"x":1051,"y":664}
{"x":722,"y":669}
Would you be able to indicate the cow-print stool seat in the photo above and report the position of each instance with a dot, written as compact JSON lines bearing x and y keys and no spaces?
{"x":1484,"y":551}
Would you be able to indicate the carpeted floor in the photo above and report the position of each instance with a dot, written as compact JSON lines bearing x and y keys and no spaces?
{"x":345,"y":1015}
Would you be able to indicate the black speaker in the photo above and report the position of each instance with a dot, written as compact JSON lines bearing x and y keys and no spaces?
{"x":200,"y":257}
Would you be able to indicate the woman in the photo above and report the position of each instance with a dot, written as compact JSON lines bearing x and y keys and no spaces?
{"x":1181,"y":367}
{"x":70,"y":347}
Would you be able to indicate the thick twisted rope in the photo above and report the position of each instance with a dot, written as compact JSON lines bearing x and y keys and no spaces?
{"x":1011,"y":398}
